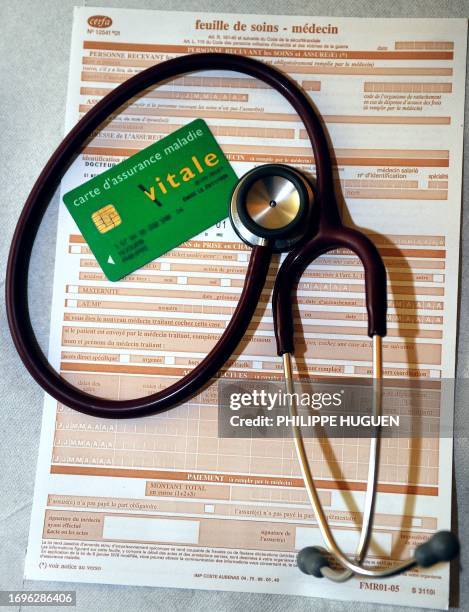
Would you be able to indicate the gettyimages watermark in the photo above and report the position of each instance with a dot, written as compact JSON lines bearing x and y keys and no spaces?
{"x":316,"y":402}
{"x":336,"y":408}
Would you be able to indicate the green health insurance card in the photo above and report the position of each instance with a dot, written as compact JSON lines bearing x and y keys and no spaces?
{"x":153,"y":201}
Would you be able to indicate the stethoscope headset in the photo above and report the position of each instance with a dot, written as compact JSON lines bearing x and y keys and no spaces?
{"x":274,"y":208}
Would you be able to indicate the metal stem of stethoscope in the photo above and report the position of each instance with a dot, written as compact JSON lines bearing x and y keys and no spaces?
{"x":370,"y":496}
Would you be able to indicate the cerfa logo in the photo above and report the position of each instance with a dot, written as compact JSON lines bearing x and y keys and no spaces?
{"x":99,"y":21}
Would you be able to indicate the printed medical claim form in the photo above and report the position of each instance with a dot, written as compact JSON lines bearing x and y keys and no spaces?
{"x":163,"y":500}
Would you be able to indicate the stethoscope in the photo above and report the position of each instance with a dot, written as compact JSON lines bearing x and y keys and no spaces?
{"x":274,"y":208}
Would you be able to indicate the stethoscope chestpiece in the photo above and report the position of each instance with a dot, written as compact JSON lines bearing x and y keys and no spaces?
{"x":271,"y":206}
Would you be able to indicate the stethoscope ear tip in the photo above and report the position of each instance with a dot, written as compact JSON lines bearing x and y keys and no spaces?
{"x":311,"y":559}
{"x":443,"y":546}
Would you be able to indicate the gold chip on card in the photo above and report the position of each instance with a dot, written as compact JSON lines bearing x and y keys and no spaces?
{"x":106,"y":219}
